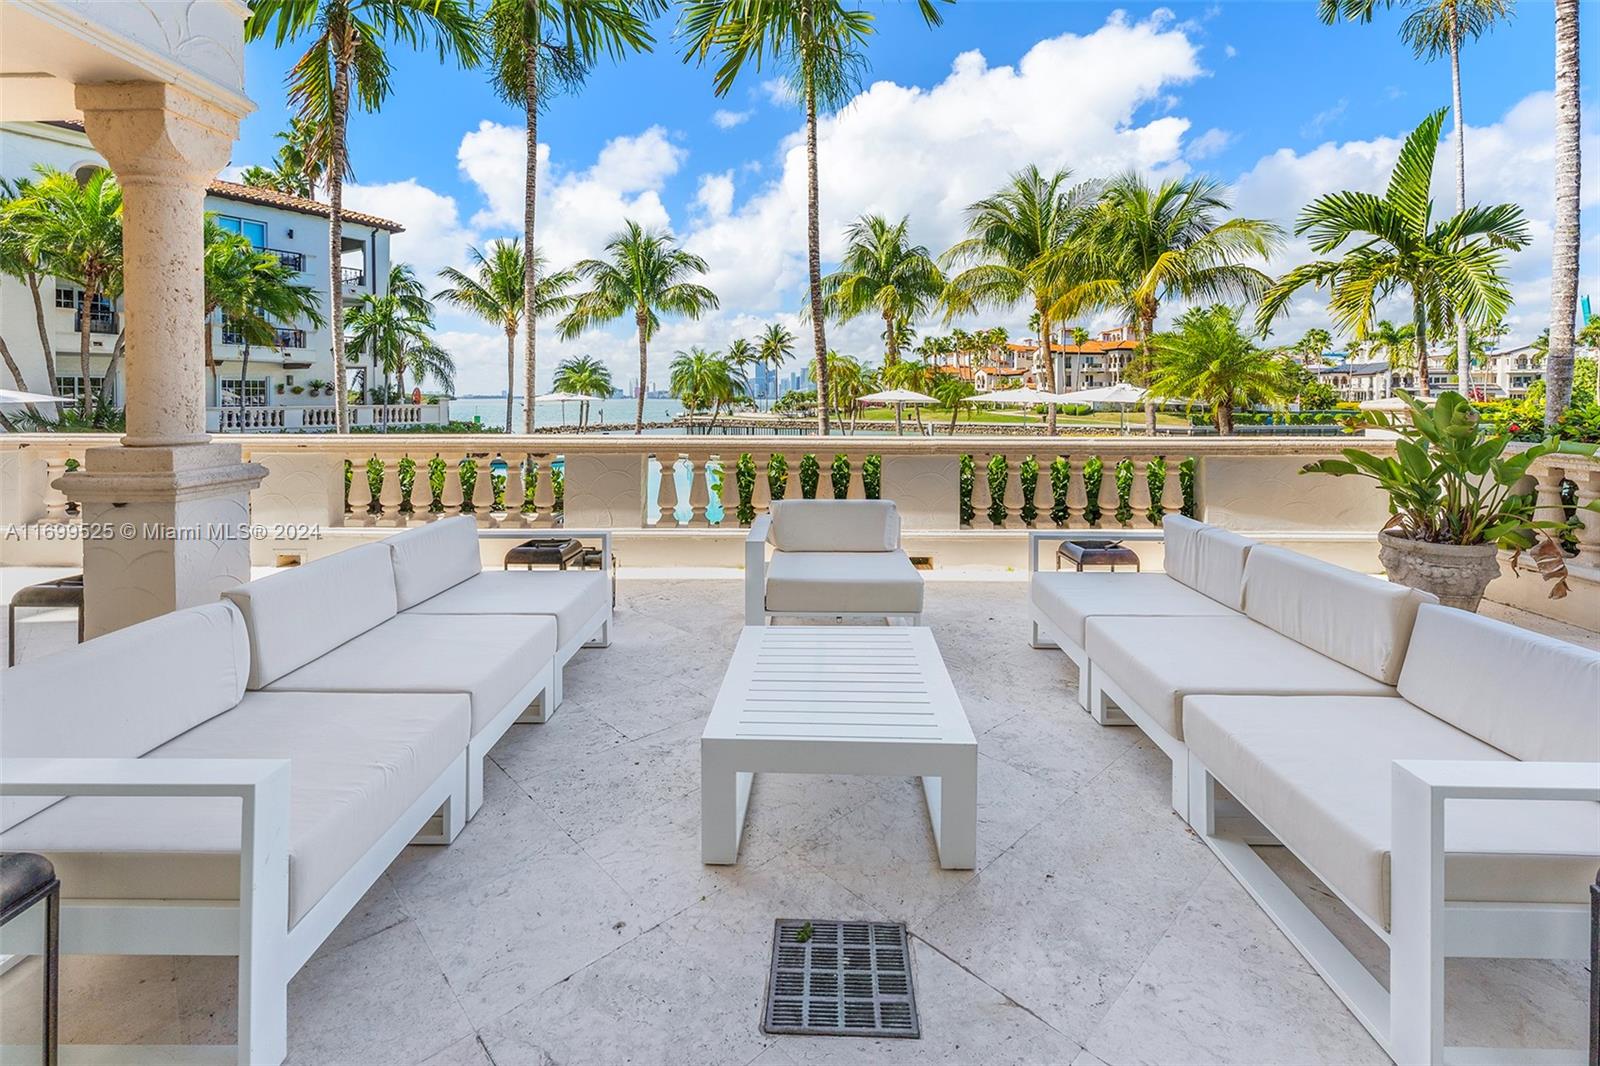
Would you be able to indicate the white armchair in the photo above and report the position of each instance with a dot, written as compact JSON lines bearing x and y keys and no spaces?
{"x":830,"y":559}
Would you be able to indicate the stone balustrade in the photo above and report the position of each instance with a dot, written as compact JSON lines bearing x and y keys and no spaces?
{"x":321,"y":419}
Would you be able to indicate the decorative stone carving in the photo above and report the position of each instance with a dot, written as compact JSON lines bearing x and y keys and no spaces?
{"x":924,"y":489}
{"x":604,"y":491}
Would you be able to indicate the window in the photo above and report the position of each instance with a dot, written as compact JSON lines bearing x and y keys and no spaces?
{"x":67,"y":298}
{"x":71,"y":387}
{"x":254,"y":389}
{"x":255,"y":231}
{"x":231,"y":334}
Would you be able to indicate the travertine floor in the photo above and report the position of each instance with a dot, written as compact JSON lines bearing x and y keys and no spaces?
{"x":573,"y":922}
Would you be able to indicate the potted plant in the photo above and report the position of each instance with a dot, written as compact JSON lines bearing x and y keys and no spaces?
{"x":316,"y":386}
{"x":279,"y":388}
{"x":297,"y":389}
{"x":1457,"y":499}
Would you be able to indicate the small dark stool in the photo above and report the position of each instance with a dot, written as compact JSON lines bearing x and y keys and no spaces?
{"x":62,"y":592}
{"x":25,"y":879}
{"x":560,"y":552}
{"x":1084,"y":553}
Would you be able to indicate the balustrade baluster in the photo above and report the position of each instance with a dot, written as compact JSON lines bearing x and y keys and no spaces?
{"x":360,"y":492}
{"x":57,"y":508}
{"x":1588,"y":483}
{"x":683,"y":511}
{"x":513,"y":497}
{"x":451,"y":496}
{"x":389,"y":495}
{"x":483,"y":490}
{"x":654,"y":502}
{"x":718,"y":491}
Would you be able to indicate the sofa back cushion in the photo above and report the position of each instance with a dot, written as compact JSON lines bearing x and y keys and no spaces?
{"x":299,"y":614}
{"x":1533,"y":697}
{"x":123,"y":694}
{"x":1209,"y":559}
{"x":432,"y":558}
{"x":1351,"y":618}
{"x":1182,"y":546}
{"x":834,"y":526}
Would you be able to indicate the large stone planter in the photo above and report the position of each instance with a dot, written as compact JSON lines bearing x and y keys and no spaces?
{"x":1455,"y":573}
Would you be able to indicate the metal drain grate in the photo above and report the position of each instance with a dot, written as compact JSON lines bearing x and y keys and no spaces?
{"x":841,"y":979}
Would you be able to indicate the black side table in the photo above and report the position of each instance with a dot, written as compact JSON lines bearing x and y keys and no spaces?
{"x":27,"y":879}
{"x":1082,"y":553}
{"x":560,"y":552}
{"x":62,"y":592}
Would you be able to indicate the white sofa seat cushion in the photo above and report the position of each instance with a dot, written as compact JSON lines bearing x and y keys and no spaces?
{"x":1317,"y":771}
{"x":844,"y":582}
{"x":834,"y":526}
{"x":490,"y":658}
{"x":298,"y":614}
{"x":1533,"y":697}
{"x":571,"y":597}
{"x":358,"y":762}
{"x":1159,"y":661}
{"x":431,"y":558}
{"x":123,"y":694}
{"x":1070,"y":599}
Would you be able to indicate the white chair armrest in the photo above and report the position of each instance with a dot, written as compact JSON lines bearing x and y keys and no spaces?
{"x":755,"y":571}
{"x":1441,"y":780}
{"x":144,"y":777}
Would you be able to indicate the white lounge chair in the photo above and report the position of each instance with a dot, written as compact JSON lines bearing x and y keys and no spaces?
{"x":830,"y":559}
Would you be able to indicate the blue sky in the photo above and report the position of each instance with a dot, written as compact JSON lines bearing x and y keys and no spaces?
{"x":1261,"y":95}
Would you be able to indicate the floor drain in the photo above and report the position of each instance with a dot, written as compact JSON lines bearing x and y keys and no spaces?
{"x":841,"y":979}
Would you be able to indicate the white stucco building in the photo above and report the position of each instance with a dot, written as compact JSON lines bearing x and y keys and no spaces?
{"x":280,"y":376}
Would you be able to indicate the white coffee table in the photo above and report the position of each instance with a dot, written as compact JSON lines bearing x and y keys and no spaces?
{"x":872,"y":700}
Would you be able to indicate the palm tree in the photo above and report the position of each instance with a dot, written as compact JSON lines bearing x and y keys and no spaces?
{"x":396,"y":329}
{"x":1437,"y":29}
{"x":266,"y":297}
{"x":539,"y":48}
{"x":1395,"y":342}
{"x":583,"y":375}
{"x":848,"y":381}
{"x":645,"y":273}
{"x":1014,"y":252}
{"x":742,"y":353}
{"x":74,"y":232}
{"x":881,"y":271}
{"x":821,"y":46}
{"x":1449,"y":267}
{"x":1564,"y":257}
{"x":1207,"y":359}
{"x":348,"y":55}
{"x":1172,"y":241}
{"x":296,"y":169}
{"x":951,"y":390}
{"x":704,"y":379}
{"x":18,"y":261}
{"x":494,"y":292}
{"x":1313,"y":344}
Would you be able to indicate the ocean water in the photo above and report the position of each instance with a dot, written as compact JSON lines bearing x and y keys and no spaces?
{"x":617,"y":414}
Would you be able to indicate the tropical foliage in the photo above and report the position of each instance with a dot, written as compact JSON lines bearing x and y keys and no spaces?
{"x":396,"y":330}
{"x":584,"y":375}
{"x":883,"y":273}
{"x":1206,"y":358}
{"x":706,"y":381}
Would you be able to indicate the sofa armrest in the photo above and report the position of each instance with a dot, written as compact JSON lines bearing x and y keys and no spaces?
{"x":755,"y":571}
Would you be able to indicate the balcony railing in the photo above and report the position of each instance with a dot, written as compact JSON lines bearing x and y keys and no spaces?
{"x":353,"y":275}
{"x":99,"y":321}
{"x":295,"y":261}
{"x":286,"y":337}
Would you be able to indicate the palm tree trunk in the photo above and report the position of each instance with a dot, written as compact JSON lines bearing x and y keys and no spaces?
{"x":85,"y":397}
{"x":1224,"y":413}
{"x":814,"y":258}
{"x":1419,"y":323}
{"x":891,"y":349}
{"x":1049,"y":368}
{"x":336,"y":157}
{"x":109,"y":388}
{"x":530,"y":89}
{"x":511,"y":373}
{"x":1564,"y":258}
{"x":16,"y":374}
{"x":1147,"y":326}
{"x":44,"y":332}
{"x":244,"y":368}
{"x":1463,"y":356}
{"x":642,"y":322}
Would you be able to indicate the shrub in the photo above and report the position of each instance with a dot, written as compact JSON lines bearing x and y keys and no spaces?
{"x":810,"y":474}
{"x":1155,"y":479}
{"x":349,"y":476}
{"x":375,"y":485}
{"x":965,"y":480}
{"x":406,"y":471}
{"x":468,"y":472}
{"x":1028,"y":476}
{"x":1093,"y":474}
{"x":1124,"y":481}
{"x":872,"y":476}
{"x":1060,"y":481}
{"x":999,"y":474}
{"x":839,"y":475}
{"x":744,"y":477}
{"x":498,"y":476}
{"x":530,"y":486}
{"x":436,"y":473}
{"x":1186,"y":471}
{"x":558,"y":488}
{"x":777,"y":476}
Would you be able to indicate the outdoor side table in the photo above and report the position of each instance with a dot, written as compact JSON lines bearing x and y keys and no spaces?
{"x":25,"y":881}
{"x":560,"y":552}
{"x":1082,"y":553}
{"x":62,"y":592}
{"x":867,"y":700}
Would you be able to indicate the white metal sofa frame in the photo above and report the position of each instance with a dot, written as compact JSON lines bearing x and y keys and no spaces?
{"x":755,"y":587}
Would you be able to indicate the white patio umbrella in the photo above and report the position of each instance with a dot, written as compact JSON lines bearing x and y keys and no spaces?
{"x":1121,"y":394}
{"x":898,"y":397}
{"x":562,"y":398}
{"x":1028,"y":396}
{"x":9,"y":396}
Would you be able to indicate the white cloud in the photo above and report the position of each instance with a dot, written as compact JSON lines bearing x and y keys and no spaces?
{"x":724,"y":119}
{"x":715,"y":195}
{"x":780,"y":91}
{"x":434,"y":235}
{"x":1319,"y":122}
{"x":1211,"y":142}
{"x":1230,"y":51}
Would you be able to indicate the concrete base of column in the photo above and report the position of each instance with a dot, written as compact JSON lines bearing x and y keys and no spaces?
{"x":165,"y":528}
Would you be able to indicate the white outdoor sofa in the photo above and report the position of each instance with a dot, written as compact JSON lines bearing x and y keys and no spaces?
{"x":830,"y":559}
{"x":205,"y":818}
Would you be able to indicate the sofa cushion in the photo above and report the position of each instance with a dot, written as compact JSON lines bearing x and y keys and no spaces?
{"x":298,"y":614}
{"x":1069,"y":599}
{"x":843,"y":583}
{"x":1533,"y":697}
{"x":1181,"y":549}
{"x":489,"y":657}
{"x":122,"y":694}
{"x":1223,"y":554}
{"x":1316,"y":770}
{"x":571,"y":597}
{"x":1159,"y":661}
{"x":1361,"y":621}
{"x":429,"y":559}
{"x":834,"y":526}
{"x":357,"y":763}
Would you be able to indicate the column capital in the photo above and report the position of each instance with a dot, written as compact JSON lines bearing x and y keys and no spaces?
{"x":154,"y":131}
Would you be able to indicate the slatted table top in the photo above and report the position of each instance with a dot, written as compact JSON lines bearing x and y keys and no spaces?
{"x":873,"y":684}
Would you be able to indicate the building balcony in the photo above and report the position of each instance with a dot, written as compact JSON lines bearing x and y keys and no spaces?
{"x":295,"y":261}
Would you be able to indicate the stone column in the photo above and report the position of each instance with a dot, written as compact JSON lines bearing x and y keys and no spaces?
{"x":169,"y":509}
